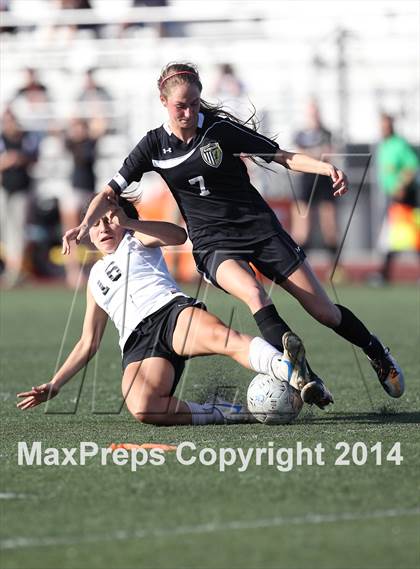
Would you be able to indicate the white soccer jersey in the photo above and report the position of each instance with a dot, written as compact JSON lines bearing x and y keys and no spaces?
{"x":131,"y":283}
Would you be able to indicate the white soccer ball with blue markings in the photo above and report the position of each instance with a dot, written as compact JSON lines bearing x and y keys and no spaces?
{"x":272,"y":401}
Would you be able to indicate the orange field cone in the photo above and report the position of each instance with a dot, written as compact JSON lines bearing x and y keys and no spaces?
{"x":133,"y":446}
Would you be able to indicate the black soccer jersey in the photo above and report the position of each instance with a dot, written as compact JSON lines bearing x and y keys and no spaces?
{"x":208,"y":180}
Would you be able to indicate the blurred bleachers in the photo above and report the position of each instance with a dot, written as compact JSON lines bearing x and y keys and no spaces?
{"x":281,"y":56}
{"x":355,"y":57}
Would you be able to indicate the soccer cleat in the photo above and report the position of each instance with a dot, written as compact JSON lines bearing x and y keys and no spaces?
{"x":292,"y":367}
{"x":389,"y":373}
{"x":233,"y":412}
{"x":315,"y":392}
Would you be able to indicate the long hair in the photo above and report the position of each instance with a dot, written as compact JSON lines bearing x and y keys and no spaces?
{"x":127,"y":206}
{"x":174,"y":74}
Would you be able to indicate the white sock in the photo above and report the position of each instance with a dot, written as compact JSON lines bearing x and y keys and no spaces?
{"x":261,"y":354}
{"x":206,"y":414}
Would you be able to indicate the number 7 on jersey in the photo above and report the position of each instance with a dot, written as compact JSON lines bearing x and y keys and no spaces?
{"x":200,"y":180}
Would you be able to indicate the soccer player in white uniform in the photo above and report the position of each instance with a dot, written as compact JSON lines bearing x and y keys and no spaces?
{"x":159,"y":328}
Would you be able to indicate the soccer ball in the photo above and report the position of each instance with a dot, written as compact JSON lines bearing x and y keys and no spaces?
{"x":272,"y":401}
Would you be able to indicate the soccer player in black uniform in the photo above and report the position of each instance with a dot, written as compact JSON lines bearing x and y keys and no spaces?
{"x":198,"y":153}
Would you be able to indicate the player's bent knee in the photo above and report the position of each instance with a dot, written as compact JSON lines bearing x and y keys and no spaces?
{"x":147,"y":418}
{"x":148,"y":410}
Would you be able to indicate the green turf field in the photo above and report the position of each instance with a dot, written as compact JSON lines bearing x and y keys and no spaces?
{"x":176,"y":516}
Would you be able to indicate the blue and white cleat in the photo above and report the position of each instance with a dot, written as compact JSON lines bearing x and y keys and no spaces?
{"x":292,"y":368}
{"x":389,"y":373}
{"x":233,"y":413}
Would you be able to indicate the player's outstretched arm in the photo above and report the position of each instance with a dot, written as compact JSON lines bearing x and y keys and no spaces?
{"x":150,"y":233}
{"x":303,"y":163}
{"x":97,"y":209}
{"x":93,"y":329}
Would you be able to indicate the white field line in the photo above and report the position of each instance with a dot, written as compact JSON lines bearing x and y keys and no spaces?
{"x":314,"y":519}
{"x":11,"y":496}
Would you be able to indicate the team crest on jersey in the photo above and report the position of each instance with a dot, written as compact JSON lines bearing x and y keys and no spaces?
{"x":212,"y":154}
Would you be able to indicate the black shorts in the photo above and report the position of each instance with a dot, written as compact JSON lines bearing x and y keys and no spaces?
{"x":314,"y":188}
{"x":276,"y":258}
{"x":152,"y":338}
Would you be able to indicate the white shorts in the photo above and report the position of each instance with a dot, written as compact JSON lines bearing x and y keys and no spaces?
{"x":75,"y":199}
{"x":69,"y":198}
{"x":13,"y":218}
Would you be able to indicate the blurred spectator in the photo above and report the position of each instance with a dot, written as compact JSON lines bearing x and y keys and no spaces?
{"x":92,"y":91}
{"x":33,"y":89}
{"x":80,"y":5}
{"x":227,"y":84}
{"x":31,"y":103}
{"x":397,"y":168}
{"x":80,"y":141}
{"x":160,"y":27}
{"x":5,"y":7}
{"x":18,"y":152}
{"x":314,"y":193}
{"x":230,"y":89}
{"x":96,"y":99}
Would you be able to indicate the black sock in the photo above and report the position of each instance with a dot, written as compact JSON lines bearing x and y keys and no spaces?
{"x":271,"y":325}
{"x":387,"y":265}
{"x":354,"y":331}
